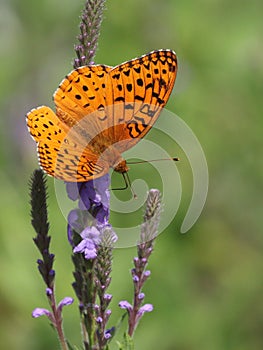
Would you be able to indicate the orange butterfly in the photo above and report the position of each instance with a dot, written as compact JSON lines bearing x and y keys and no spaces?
{"x":101,"y":112}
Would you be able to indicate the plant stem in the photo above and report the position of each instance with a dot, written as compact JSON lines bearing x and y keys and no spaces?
{"x":58,"y":323}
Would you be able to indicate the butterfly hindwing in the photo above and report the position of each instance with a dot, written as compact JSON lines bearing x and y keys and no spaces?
{"x":44,"y":124}
{"x":61,"y":152}
{"x":69,"y":164}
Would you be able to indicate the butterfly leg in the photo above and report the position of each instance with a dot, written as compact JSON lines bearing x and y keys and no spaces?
{"x":127,"y":184}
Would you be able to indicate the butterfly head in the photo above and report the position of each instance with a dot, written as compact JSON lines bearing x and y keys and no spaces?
{"x":121,"y":167}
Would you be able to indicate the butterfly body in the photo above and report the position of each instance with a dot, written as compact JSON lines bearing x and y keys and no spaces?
{"x":100,"y":113}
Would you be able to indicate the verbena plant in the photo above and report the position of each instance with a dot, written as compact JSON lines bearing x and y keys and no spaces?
{"x":92,"y":237}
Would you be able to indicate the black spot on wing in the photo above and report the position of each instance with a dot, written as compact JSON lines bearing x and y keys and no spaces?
{"x":129,"y":87}
{"x":116,"y":76}
{"x":139,"y":98}
{"x":119,"y":98}
{"x":139,"y":82}
{"x":127,"y":72}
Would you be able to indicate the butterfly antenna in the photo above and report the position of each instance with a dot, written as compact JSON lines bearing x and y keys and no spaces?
{"x":175,"y":159}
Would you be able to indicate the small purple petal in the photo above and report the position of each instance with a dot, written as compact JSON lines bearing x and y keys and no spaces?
{"x":80,"y":248}
{"x":107,"y":335}
{"x":73,"y":189}
{"x":73,"y":217}
{"x":135,"y":279}
{"x":84,"y":203}
{"x":52,"y":273}
{"x":73,"y":224}
{"x":124,"y":304}
{"x":92,"y":233}
{"x":49,"y":291}
{"x":87,"y":191}
{"x":108,"y":312}
{"x":110,"y":331}
{"x":136,"y":260}
{"x":87,"y":247}
{"x":102,"y":183}
{"x":90,"y":254}
{"x":147,"y":273}
{"x":102,"y":215}
{"x":141,"y":296}
{"x":41,"y":312}
{"x":64,"y":302}
{"x":107,"y":296}
{"x":145,"y":308}
{"x":70,"y":235}
{"x":99,"y":319}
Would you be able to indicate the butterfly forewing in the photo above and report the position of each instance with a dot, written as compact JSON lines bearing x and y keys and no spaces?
{"x":140,"y":89}
{"x":82,"y":93}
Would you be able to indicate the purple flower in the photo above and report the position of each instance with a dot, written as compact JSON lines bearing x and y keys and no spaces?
{"x":93,"y":202}
{"x":141,"y":296}
{"x":37,"y":312}
{"x":64,"y":302}
{"x":107,"y":297}
{"x":49,"y":291}
{"x":136,"y":279}
{"x":124,"y":304}
{"x":143,"y":309}
{"x":94,"y":192}
{"x":56,"y":317}
{"x":107,"y":335}
{"x":147,"y":273}
{"x":108,"y":312}
{"x":90,"y":240}
{"x":73,"y":190}
{"x":74,"y":224}
{"x":99,"y":319}
{"x":109,"y":332}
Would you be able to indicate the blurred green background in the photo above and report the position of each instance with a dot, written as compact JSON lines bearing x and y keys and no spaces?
{"x":206,"y":285}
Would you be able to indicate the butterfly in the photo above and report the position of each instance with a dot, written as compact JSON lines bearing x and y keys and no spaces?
{"x":101,"y":111}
